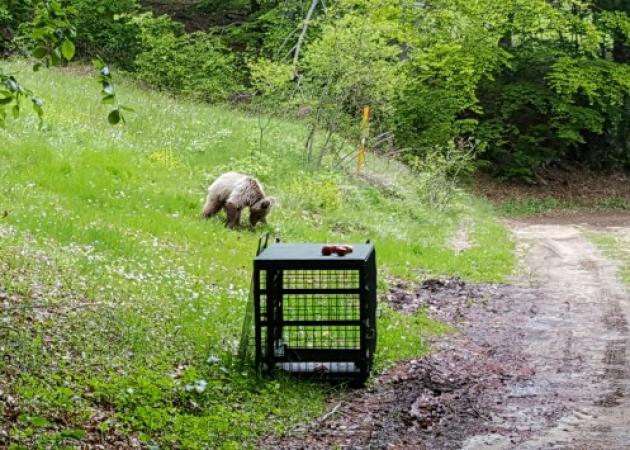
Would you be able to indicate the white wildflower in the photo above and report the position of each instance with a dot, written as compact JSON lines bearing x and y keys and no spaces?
{"x":200,"y":386}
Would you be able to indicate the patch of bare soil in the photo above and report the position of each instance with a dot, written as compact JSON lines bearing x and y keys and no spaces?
{"x":442,"y":298}
{"x":580,"y":187}
{"x":541,"y":364}
{"x":188,"y":13}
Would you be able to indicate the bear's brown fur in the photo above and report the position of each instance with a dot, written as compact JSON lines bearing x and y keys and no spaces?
{"x":234,"y":192}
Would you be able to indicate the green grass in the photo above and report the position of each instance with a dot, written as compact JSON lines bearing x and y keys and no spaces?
{"x":122,"y":303}
{"x":617,"y":246}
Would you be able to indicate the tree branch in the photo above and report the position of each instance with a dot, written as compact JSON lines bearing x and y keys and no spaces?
{"x":300,"y":41}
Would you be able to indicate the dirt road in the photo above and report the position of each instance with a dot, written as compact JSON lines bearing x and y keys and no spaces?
{"x":541,"y":364}
{"x":576,"y":340}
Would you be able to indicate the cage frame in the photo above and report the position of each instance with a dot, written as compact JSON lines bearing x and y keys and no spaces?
{"x":271,"y":353}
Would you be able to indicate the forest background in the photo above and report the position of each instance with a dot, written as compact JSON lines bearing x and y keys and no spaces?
{"x":514,"y":86}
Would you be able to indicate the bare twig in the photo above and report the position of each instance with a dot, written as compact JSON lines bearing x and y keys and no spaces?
{"x":286,"y":41}
{"x":289,"y":52}
{"x":262,"y":127}
{"x":330,"y":413}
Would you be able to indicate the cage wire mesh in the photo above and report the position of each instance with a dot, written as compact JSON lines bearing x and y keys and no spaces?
{"x":321,"y":308}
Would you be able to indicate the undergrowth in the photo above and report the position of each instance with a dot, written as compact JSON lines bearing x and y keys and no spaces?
{"x":120,"y":309}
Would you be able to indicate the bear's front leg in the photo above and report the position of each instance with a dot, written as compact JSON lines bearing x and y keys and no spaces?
{"x":233,"y":215}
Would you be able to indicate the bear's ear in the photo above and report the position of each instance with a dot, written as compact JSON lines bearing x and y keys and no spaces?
{"x":265,"y":203}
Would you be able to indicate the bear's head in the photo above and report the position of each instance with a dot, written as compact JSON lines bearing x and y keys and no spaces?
{"x":258,"y":212}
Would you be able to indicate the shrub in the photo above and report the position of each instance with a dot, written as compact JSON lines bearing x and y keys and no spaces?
{"x":270,"y":78}
{"x":195,"y":64}
{"x":12,"y":14}
{"x":315,"y":194}
{"x":355,"y":68}
{"x":152,"y":27}
{"x":439,"y":171}
{"x":106,"y":28}
{"x":354,"y":62}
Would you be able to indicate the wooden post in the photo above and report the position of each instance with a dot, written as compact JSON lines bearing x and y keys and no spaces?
{"x":365,"y":128}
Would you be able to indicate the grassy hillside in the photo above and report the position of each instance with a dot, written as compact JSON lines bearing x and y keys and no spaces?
{"x":120,"y":308}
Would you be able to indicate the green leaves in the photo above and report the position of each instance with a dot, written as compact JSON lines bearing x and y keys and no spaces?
{"x":108,"y":92}
{"x":543,"y":79}
{"x":99,"y":64}
{"x":40,"y":52}
{"x":38,"y":104}
{"x":73,"y":434}
{"x":34,"y":421}
{"x":52,"y":35}
{"x":114,"y":117}
{"x":67,"y":49}
{"x":108,"y":99}
{"x":195,"y":64}
{"x":11,"y":95}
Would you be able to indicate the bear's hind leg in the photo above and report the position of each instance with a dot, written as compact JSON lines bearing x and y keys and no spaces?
{"x":211,"y":207}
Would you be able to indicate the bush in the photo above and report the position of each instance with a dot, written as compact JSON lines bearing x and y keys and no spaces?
{"x":315,"y":194}
{"x":152,"y":27}
{"x":439,"y":171}
{"x":195,"y":64}
{"x":12,"y":14}
{"x":106,"y":28}
{"x":354,"y":62}
{"x":355,"y":68}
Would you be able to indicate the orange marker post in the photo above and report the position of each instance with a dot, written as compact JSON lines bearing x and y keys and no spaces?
{"x":365,"y":129}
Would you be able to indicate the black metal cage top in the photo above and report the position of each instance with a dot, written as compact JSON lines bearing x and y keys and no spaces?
{"x":315,"y":315}
{"x":311,"y":254}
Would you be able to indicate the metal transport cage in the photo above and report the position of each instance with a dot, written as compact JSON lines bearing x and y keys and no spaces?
{"x":315,"y":315}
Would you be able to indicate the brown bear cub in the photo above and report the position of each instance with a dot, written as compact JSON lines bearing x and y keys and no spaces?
{"x":234,"y":192}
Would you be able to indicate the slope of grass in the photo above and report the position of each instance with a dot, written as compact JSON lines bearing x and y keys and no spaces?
{"x":617,"y":246}
{"x":120,"y":309}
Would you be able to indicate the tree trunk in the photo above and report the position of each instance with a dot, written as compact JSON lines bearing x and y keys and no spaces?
{"x":506,"y":40}
{"x":300,"y":41}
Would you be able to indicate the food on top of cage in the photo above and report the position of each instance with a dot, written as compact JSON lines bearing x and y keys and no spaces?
{"x":344,"y":249}
{"x":340,"y":250}
{"x":327,"y":250}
